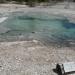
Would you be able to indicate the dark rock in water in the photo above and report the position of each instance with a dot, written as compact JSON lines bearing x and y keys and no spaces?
{"x":33,"y":32}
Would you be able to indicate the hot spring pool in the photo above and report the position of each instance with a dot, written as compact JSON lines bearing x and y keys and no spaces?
{"x":40,"y":26}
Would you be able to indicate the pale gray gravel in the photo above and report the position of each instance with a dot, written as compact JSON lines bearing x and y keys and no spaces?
{"x":31,"y":58}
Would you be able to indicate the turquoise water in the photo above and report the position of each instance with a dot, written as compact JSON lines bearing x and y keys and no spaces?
{"x":40,"y":26}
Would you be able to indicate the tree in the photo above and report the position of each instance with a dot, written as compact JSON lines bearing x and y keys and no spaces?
{"x":2,"y":1}
{"x":30,"y":2}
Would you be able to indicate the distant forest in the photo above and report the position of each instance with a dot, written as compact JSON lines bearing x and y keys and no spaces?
{"x":36,"y":0}
{"x":29,"y":0}
{"x":32,"y":2}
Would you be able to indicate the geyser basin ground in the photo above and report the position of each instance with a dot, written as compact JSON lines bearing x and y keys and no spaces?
{"x":45,"y":27}
{"x":28,"y":57}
